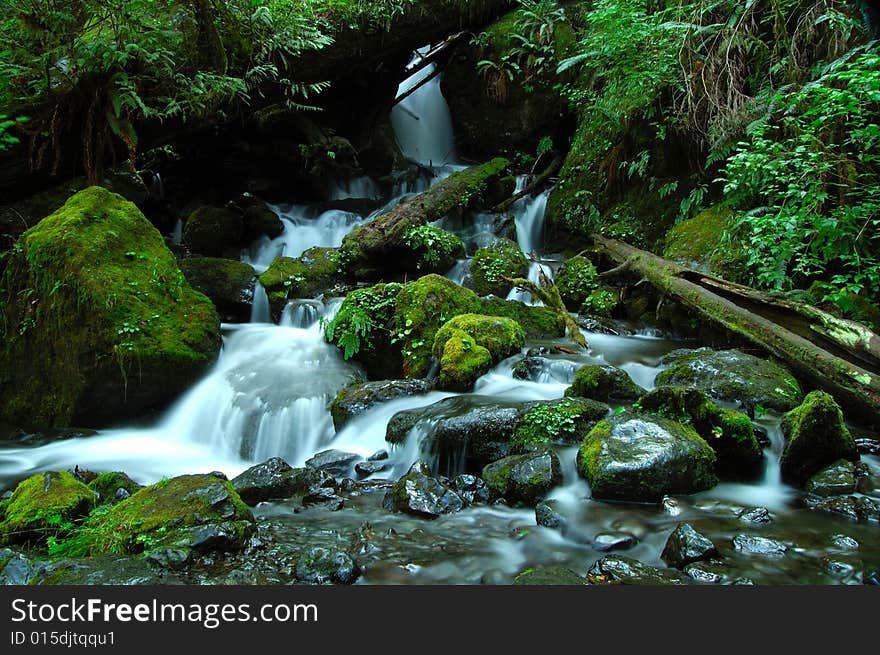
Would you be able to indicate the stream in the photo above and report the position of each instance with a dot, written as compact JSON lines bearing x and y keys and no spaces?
{"x":268,"y":395}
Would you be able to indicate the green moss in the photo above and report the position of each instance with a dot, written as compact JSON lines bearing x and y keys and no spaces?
{"x":159,"y":515}
{"x":591,"y":449}
{"x":305,"y":277}
{"x":536,"y":322}
{"x":97,"y":319}
{"x":107,"y":484}
{"x":576,"y":280}
{"x":44,"y":506}
{"x":699,"y":243}
{"x":434,"y":250}
{"x":503,"y":258}
{"x":469,"y":344}
{"x":567,"y":420}
{"x":603,"y":383}
{"x":228,"y":283}
{"x":462,"y":360}
{"x":816,"y":437}
{"x":600,"y":302}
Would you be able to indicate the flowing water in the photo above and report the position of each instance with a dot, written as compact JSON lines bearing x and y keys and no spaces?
{"x":269,"y":391}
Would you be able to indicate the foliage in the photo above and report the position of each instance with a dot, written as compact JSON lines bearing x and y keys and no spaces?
{"x":363,"y":318}
{"x":433,"y":245}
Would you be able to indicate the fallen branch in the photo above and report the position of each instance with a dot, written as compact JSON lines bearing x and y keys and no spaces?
{"x":549,"y":295}
{"x":532,"y":186}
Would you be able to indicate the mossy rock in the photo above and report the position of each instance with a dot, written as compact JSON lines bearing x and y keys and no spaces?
{"x":536,"y":322}
{"x":260,"y":220}
{"x":815,"y":437}
{"x":576,"y":279}
{"x":732,"y":376}
{"x":431,"y":250}
{"x":314,"y":272}
{"x":526,"y":478}
{"x":107,"y":486}
{"x":202,"y":512}
{"x":211,"y":230}
{"x":503,"y":258}
{"x":359,"y":398}
{"x":729,"y":433}
{"x":558,"y":421}
{"x":641,"y":458}
{"x":227,"y":283}
{"x":600,"y":303}
{"x":43,"y":506}
{"x":549,"y":575}
{"x":604,"y":383}
{"x":98,"y":321}
{"x":469,"y":344}
{"x":698,"y":243}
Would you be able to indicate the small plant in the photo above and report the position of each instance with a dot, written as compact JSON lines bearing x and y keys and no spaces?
{"x":364,"y":318}
{"x":434,"y":245}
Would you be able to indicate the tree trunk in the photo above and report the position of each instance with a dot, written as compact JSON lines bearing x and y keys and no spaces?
{"x":842,"y":357}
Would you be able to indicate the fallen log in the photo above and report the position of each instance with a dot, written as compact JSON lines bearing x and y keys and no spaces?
{"x":830,"y":353}
{"x":548,"y":294}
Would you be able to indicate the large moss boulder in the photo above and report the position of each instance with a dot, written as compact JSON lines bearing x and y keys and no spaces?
{"x":730,"y":433}
{"x":502,"y":258}
{"x":98,"y":321}
{"x":603,"y":382}
{"x":815,"y":437}
{"x":732,"y":376}
{"x":526,"y":478}
{"x":189,"y":512}
{"x":470,"y":344}
{"x":212,"y":230}
{"x":576,"y":280}
{"x":42,"y":506}
{"x":536,"y":322}
{"x":228,"y":283}
{"x":310,"y":274}
{"x":643,"y":458}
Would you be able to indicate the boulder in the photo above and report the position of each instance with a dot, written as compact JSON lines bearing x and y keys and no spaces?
{"x":815,"y":436}
{"x":470,"y":344}
{"x":757,"y":545}
{"x":337,"y":463}
{"x":604,"y":383}
{"x":854,"y":508}
{"x":502,"y":258}
{"x":524,"y":479}
{"x":276,"y":479}
{"x":838,"y":479}
{"x":113,"y":486}
{"x":211,"y":231}
{"x":567,"y":420}
{"x":308,"y":276}
{"x":227,"y":283}
{"x":732,"y":376}
{"x":546,"y":515}
{"x":359,"y":398}
{"x":642,"y":458}
{"x":98,"y":321}
{"x":421,"y":494}
{"x":730,"y":433}
{"x":685,"y":545}
{"x":618,"y":569}
{"x":323,"y":566}
{"x":549,"y":575}
{"x":42,"y":506}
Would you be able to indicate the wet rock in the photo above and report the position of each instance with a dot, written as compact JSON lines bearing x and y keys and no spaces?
{"x":337,"y":463}
{"x":367,"y":468}
{"x":113,"y":486}
{"x":855,"y":508}
{"x":567,"y":420}
{"x":643,"y":458}
{"x":212,"y":230}
{"x":835,"y":480}
{"x":608,"y":541}
{"x":815,"y":437}
{"x":547,"y":516}
{"x":323,"y":566}
{"x":685,"y":545}
{"x":495,"y":577}
{"x":229,"y":284}
{"x":732,"y":376}
{"x":849,"y":570}
{"x":755,"y":545}
{"x":471,"y":488}
{"x":17,"y":569}
{"x":618,"y":569}
{"x":756,"y":515}
{"x":421,"y":494}
{"x":704,"y":572}
{"x":359,"y":398}
{"x":106,"y":570}
{"x":378,"y":456}
{"x":604,"y":383}
{"x":40,"y":504}
{"x":475,"y":430}
{"x":276,"y":479}
{"x":524,"y":478}
{"x":549,"y":575}
{"x":868,"y":445}
{"x":844,"y":541}
{"x":325,"y":498}
{"x":259,"y":219}
{"x":670,"y":505}
{"x":729,"y":433}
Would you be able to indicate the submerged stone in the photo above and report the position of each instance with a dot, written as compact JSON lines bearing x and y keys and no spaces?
{"x":323,"y":566}
{"x":835,"y":480}
{"x":549,"y":575}
{"x":608,"y":541}
{"x":756,"y":545}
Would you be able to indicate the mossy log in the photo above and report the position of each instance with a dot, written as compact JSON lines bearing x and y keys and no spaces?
{"x":833,"y":354}
{"x":374,"y":247}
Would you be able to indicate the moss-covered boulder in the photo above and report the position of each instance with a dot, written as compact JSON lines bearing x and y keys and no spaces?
{"x":640,"y":458}
{"x":576,"y":279}
{"x":502,"y":258}
{"x":430,"y":250}
{"x":525,"y":478}
{"x":359,"y":398}
{"x":198,"y":512}
{"x":212,"y":230}
{"x":732,"y":376}
{"x":730,"y":433}
{"x":469,"y":344}
{"x":558,"y":421}
{"x":364,"y":328}
{"x":113,"y":486}
{"x":815,"y":437}
{"x":228,"y":283}
{"x":42,"y":506}
{"x":697,"y":243}
{"x":536,"y":322}
{"x":260,"y":220}
{"x":310,"y":274}
{"x":604,"y":383}
{"x":98,"y":321}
